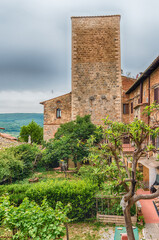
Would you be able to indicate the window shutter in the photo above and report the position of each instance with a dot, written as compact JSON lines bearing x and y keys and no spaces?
{"x":126,"y":108}
{"x":156,"y":95}
{"x":141,"y":91}
{"x":131,"y":107}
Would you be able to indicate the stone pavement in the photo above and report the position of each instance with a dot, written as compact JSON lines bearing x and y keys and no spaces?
{"x":151,"y":231}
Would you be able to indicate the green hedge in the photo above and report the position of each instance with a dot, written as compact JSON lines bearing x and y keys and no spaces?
{"x":79,"y":193}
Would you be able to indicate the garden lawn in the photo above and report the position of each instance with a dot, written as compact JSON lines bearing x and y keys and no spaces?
{"x":80,"y":231}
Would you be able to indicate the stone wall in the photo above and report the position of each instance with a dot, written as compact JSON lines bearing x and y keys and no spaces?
{"x":96,"y":71}
{"x":134,"y":96}
{"x":51,"y":121}
{"x":126,"y":84}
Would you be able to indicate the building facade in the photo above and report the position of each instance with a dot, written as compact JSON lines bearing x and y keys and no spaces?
{"x":96,"y":75}
{"x":99,"y":89}
{"x":143,"y":92}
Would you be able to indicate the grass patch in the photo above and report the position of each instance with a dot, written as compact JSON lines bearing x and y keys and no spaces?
{"x":51,"y":175}
{"x":77,"y":231}
{"x":85,"y":231}
{"x":5,"y":233}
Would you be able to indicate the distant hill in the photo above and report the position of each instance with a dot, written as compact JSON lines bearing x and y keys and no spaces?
{"x":12,"y":122}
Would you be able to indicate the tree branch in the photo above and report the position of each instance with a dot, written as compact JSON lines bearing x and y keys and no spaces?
{"x":146,"y":196}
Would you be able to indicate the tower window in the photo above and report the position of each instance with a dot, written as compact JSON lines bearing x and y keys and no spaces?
{"x":58,"y":113}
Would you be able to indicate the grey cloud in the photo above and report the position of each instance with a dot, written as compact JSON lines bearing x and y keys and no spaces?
{"x":35,"y":39}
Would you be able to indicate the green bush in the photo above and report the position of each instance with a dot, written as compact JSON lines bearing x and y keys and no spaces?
{"x":34,"y":130}
{"x":18,"y":162}
{"x":79,"y":194}
{"x":11,"y":167}
{"x":112,"y":207}
{"x":16,"y":192}
{"x":30,"y":155}
{"x":31,"y":221}
{"x":92,"y":173}
{"x":70,"y":142}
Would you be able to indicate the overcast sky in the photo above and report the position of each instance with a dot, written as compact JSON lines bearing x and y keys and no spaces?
{"x":35,"y":45}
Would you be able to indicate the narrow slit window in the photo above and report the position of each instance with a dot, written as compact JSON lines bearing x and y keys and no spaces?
{"x":58,"y":113}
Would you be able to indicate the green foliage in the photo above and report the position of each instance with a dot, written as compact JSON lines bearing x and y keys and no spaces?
{"x":92,"y":173}
{"x":30,"y":220}
{"x":116,"y":209}
{"x":111,"y":206}
{"x":16,"y":192}
{"x":55,"y":151}
{"x":79,"y":194}
{"x":70,"y":142}
{"x":113,"y":133}
{"x":82,"y":128}
{"x":34,"y":130}
{"x":18,"y":162}
{"x":30,"y":155}
{"x":11,"y":167}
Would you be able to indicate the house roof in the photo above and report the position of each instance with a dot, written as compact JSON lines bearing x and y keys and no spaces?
{"x":55,"y":98}
{"x":7,"y":136}
{"x":116,"y":15}
{"x":144,"y":75}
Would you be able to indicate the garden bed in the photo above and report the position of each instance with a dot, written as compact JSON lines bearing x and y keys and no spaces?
{"x":109,"y":210}
{"x":114,"y":219}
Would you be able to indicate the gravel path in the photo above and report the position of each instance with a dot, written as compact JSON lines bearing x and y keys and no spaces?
{"x":151,"y":231}
{"x":107,"y":234}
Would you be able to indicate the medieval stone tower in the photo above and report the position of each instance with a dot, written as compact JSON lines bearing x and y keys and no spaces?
{"x":96,"y":75}
{"x":96,"y":70}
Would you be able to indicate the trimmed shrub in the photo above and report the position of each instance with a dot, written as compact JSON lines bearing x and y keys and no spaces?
{"x":79,"y":194}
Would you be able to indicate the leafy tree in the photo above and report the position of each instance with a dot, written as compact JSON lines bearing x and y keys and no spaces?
{"x":18,"y":162}
{"x":70,"y":141}
{"x":82,"y":128}
{"x":30,"y":155}
{"x":34,"y":130}
{"x":113,"y":133}
{"x":11,"y":167}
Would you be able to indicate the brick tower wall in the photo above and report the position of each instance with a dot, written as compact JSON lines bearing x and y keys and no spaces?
{"x":96,"y":70}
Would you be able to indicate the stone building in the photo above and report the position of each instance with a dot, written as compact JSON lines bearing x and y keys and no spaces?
{"x":96,"y":75}
{"x":144,"y":91}
{"x":99,"y":89}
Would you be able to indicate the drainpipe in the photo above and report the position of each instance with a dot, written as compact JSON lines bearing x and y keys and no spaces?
{"x":149,"y":99}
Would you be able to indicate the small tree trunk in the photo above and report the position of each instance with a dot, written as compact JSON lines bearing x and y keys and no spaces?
{"x":67,"y":234}
{"x":75,"y":163}
{"x":14,"y":231}
{"x":128,"y":224}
